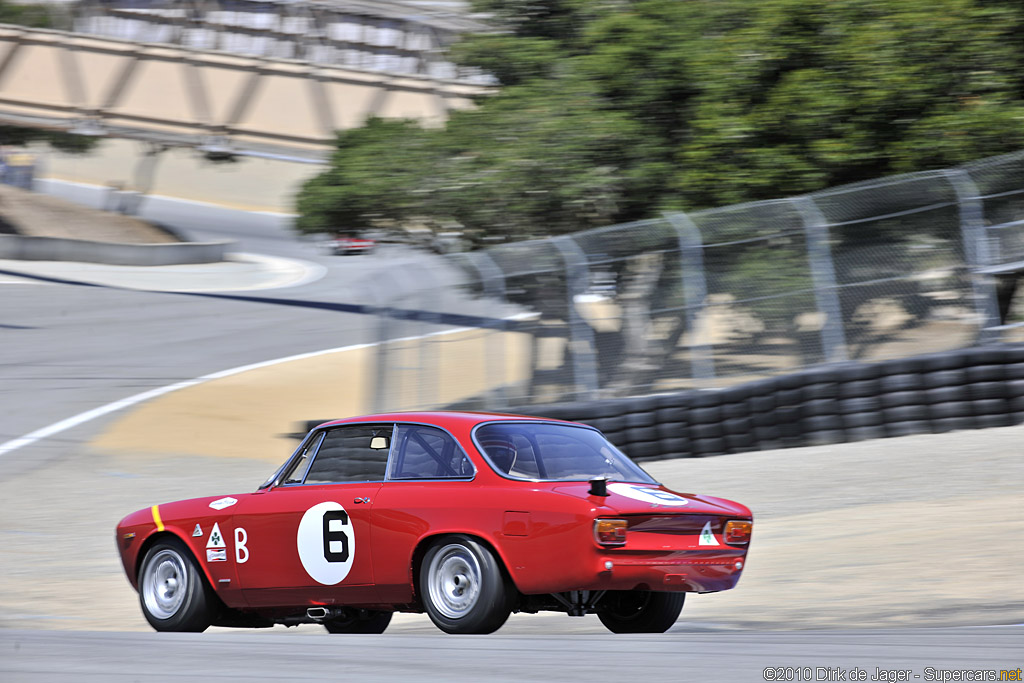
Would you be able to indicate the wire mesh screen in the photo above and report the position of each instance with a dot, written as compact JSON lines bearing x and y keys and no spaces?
{"x":759,"y":314}
{"x":882,"y":269}
{"x":898,"y":254}
{"x":997,"y":182}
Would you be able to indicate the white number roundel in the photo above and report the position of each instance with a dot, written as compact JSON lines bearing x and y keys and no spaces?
{"x":646,"y":494}
{"x":327,"y":543}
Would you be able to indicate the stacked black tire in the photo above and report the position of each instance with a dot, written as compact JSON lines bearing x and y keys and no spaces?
{"x":971,"y":388}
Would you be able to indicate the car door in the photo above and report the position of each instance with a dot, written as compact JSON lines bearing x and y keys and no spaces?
{"x":307,"y":540}
{"x":430,"y":482}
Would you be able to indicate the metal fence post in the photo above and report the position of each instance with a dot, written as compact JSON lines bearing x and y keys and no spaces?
{"x":833,"y":338}
{"x":427,"y":382}
{"x":581,"y":344}
{"x":493,"y":280}
{"x":976,"y":251}
{"x":381,"y":393}
{"x":695,"y":291}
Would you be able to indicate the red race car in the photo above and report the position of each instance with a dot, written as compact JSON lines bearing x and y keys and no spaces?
{"x":465,"y":516}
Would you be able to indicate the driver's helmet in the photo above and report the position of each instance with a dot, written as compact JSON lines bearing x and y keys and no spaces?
{"x":502,"y":452}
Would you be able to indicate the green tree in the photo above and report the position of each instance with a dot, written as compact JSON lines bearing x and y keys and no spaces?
{"x":615,"y":111}
{"x":33,"y":16}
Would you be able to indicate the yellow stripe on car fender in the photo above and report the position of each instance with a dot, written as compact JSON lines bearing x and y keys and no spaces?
{"x":156,"y":518}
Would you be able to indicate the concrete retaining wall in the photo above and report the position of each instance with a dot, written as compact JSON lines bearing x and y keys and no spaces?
{"x":60,"y":249}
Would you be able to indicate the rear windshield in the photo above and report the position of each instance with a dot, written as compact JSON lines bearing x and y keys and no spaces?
{"x":554,"y":452}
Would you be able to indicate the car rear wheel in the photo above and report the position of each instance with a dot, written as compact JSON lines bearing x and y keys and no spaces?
{"x":640,"y":611}
{"x":360,"y":621}
{"x":172,"y":590}
{"x":463,"y":587}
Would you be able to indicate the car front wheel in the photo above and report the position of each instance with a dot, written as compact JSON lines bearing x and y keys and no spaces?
{"x":640,"y":611}
{"x":463,"y":587}
{"x":172,"y":591}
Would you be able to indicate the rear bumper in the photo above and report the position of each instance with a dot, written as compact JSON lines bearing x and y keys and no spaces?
{"x":673,"y":571}
{"x":679,"y":574}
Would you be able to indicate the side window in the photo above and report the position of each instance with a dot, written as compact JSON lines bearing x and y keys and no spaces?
{"x":428,"y":453}
{"x":510,"y":451}
{"x":350,"y":454}
{"x":298,"y":469}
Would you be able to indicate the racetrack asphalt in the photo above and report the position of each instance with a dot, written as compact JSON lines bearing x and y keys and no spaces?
{"x":737,"y":657}
{"x":912,"y":532}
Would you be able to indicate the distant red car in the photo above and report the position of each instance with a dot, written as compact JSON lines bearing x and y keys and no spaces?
{"x":342,"y":245}
{"x":466,"y":516}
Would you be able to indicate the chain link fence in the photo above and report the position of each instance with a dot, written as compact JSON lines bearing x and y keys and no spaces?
{"x":882,"y":269}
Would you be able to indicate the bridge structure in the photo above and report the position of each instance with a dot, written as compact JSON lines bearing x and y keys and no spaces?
{"x":231,"y":79}
{"x":214,"y":100}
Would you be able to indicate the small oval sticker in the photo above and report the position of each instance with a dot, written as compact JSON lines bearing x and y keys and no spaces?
{"x":223,"y":503}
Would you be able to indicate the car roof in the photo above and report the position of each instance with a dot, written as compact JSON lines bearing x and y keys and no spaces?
{"x":440,"y":417}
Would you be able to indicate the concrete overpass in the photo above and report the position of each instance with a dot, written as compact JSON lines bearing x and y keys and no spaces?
{"x":219,"y":102}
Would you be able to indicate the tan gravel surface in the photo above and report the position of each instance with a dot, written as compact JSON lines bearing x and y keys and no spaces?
{"x":38,"y":215}
{"x":921,"y":530}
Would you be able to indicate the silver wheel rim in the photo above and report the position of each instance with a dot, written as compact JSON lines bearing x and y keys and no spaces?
{"x":165,"y":584}
{"x":454,"y":581}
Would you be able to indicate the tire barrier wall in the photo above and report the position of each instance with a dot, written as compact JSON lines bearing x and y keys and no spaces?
{"x":59,"y":249}
{"x":970,"y":388}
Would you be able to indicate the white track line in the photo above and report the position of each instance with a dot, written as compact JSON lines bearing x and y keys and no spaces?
{"x":90,"y":415}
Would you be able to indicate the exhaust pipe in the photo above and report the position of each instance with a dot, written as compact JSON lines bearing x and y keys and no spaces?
{"x":317,"y":613}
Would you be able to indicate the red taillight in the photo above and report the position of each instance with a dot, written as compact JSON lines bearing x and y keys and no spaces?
{"x":610,"y":531}
{"x":738,"y":532}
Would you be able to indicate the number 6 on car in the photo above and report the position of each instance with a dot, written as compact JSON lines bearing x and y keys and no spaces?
{"x":464,"y":516}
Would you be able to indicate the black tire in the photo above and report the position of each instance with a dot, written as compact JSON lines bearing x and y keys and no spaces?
{"x":639,"y":611}
{"x":671,"y":416}
{"x":818,"y":423}
{"x":902,"y":382}
{"x":761,"y":404}
{"x":865,"y":433}
{"x":735,"y":410}
{"x":1014,"y":370}
{"x":821,"y":390}
{"x":858,"y":388}
{"x":908,"y":427}
{"x":703,"y":416}
{"x":867,"y":419}
{"x":951,"y":424}
{"x":861,"y":404}
{"x":457,"y":565}
{"x":640,"y":434}
{"x":989,"y":406}
{"x":706,"y":431}
{"x":360,"y":621}
{"x":826,"y":437}
{"x":173,"y":592}
{"x":993,"y":420}
{"x":676,"y":448}
{"x":673,"y":430}
{"x":982,"y":391}
{"x":905,"y":413}
{"x":767,"y":434}
{"x":819,"y":406}
{"x":710,"y":446}
{"x":958,"y":409}
{"x":986,"y":373}
{"x":644,"y":450}
{"x":896,"y":399}
{"x":1014,"y":388}
{"x":943,"y":378}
